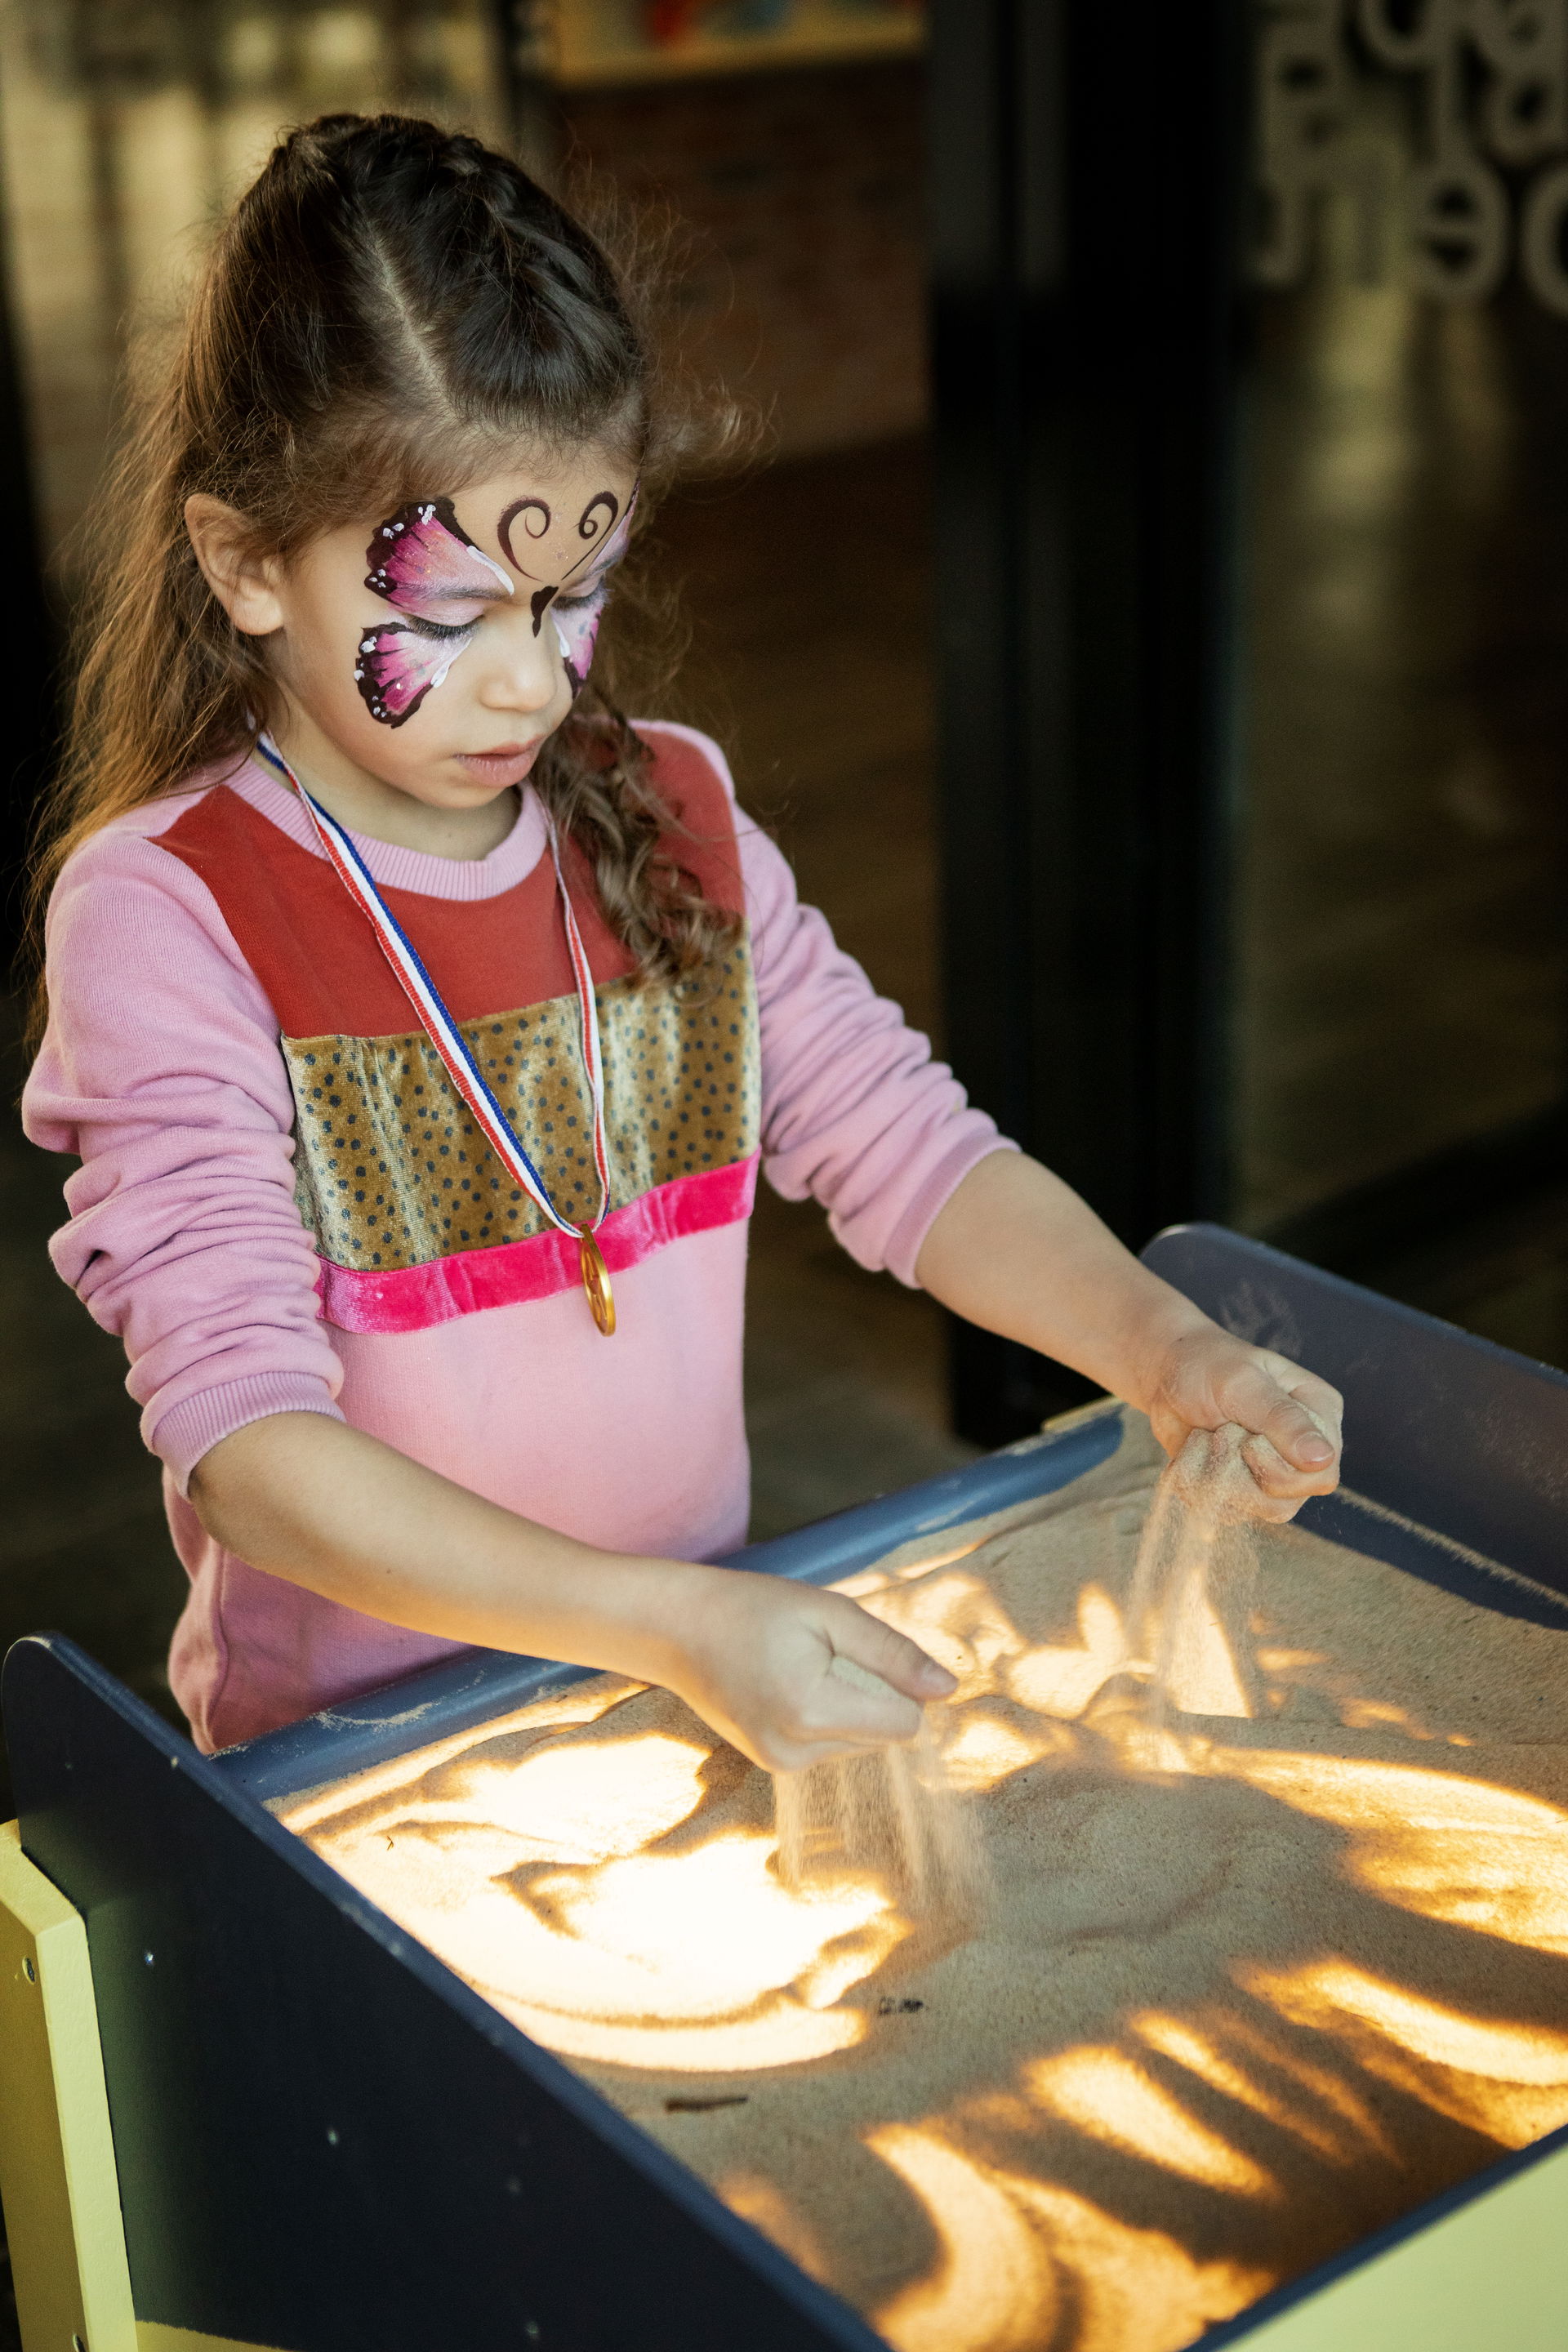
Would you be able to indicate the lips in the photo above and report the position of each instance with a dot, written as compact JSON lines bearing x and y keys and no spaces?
{"x":505,"y":766}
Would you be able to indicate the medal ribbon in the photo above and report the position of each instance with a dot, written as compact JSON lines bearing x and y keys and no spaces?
{"x":457,"y":1056}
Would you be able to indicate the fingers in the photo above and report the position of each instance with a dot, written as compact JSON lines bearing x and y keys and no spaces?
{"x":1324,"y":1403}
{"x":864,"y":1639}
{"x":1292,"y":1432}
{"x":870,"y":1695}
{"x":1292,"y":1418}
{"x":1287,"y":1468}
{"x":793,"y":1677}
{"x":1212,"y":1377}
{"x":1297,"y":1413}
{"x":846,"y":1710}
{"x":1316,"y":1459}
{"x":866,"y":1709}
{"x":1281,"y":1490}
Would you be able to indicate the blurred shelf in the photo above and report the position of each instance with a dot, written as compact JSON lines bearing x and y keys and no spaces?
{"x":594,"y":44}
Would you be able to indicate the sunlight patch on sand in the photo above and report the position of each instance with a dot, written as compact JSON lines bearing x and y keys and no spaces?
{"x":1105,"y":2095}
{"x":1016,"y":2256}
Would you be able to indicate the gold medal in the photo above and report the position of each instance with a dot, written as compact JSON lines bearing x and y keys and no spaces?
{"x":596,"y":1281}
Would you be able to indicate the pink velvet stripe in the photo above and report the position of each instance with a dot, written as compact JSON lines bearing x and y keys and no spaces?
{"x":413,"y":1298}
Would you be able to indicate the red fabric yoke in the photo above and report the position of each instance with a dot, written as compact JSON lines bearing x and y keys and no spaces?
{"x":318,"y":958}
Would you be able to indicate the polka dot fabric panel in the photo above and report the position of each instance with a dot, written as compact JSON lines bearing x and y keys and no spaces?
{"x":393,"y":1170}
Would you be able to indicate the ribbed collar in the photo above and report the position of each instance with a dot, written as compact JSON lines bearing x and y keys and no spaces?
{"x":394,"y":868}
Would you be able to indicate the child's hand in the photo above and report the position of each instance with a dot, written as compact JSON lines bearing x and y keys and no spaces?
{"x":756,"y":1661}
{"x":1206,"y":1378}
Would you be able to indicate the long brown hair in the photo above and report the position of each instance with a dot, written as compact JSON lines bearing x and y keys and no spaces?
{"x":390,"y":305}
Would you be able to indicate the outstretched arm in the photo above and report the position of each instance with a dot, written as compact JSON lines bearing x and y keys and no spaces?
{"x":1016,"y":1251}
{"x":323,"y":1505}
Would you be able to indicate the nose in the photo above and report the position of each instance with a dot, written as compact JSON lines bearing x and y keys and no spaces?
{"x":521,"y":671}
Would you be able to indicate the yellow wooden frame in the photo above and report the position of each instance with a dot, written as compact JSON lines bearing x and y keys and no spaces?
{"x":1491,"y":2274}
{"x":1489,"y":2277}
{"x":152,"y":2337}
{"x":58,"y":2180}
{"x":58,"y":2177}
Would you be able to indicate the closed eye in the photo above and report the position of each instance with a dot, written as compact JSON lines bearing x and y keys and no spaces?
{"x":442,"y":610}
{"x":438,"y":628}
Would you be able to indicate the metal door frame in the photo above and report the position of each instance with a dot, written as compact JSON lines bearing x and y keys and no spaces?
{"x":1086,"y":169}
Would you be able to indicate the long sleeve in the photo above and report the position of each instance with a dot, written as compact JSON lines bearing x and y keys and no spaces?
{"x":854,"y":1110}
{"x":161,"y":1071}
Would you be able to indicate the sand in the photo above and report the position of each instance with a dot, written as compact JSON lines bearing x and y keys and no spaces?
{"x":896,"y":1814}
{"x":1249,"y":1983}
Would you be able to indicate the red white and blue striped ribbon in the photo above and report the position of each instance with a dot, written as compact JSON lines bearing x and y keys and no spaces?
{"x":457,"y":1054}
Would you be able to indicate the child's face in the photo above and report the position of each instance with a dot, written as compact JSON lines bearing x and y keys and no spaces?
{"x":437,"y":648}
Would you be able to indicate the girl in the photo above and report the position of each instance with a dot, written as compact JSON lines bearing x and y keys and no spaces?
{"x":418,"y":1021}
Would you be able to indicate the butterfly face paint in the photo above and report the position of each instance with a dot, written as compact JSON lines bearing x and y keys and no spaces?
{"x":397,"y":666}
{"x":575,"y":601}
{"x":423,"y":561}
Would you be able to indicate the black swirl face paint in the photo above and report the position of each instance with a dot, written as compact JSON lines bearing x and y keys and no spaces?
{"x":599,"y":515}
{"x":534,"y":518}
{"x":575,"y":601}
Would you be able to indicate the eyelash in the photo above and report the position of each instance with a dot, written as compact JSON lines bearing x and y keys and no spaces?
{"x":438,"y":628}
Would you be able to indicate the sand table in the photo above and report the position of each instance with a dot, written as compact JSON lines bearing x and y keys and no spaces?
{"x":1245,"y":1989}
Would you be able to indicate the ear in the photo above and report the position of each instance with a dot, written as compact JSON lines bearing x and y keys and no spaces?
{"x":244,"y":582}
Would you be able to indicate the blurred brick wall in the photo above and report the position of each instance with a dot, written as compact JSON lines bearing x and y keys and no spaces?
{"x":804,"y":194}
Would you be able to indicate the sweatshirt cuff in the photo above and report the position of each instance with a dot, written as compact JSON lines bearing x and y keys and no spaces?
{"x":192,"y":1428}
{"x":935,"y":1191}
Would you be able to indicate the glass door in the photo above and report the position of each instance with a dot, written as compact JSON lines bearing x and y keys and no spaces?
{"x":1400,"y":945}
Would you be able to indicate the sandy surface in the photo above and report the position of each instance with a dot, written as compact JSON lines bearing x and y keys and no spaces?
{"x":1246,"y":1989}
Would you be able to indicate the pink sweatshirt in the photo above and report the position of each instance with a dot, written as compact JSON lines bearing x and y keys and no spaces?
{"x":282,"y":1205}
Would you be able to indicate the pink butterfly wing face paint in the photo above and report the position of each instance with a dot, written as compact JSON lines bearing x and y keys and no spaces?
{"x":396,"y":666}
{"x":576,"y":620}
{"x":579,"y":605}
{"x":423,"y":561}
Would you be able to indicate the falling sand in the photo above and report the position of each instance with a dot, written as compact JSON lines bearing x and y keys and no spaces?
{"x":1188,"y":1620}
{"x":893,"y":1815}
{"x":898,"y":1814}
{"x":1275,"y":1946}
